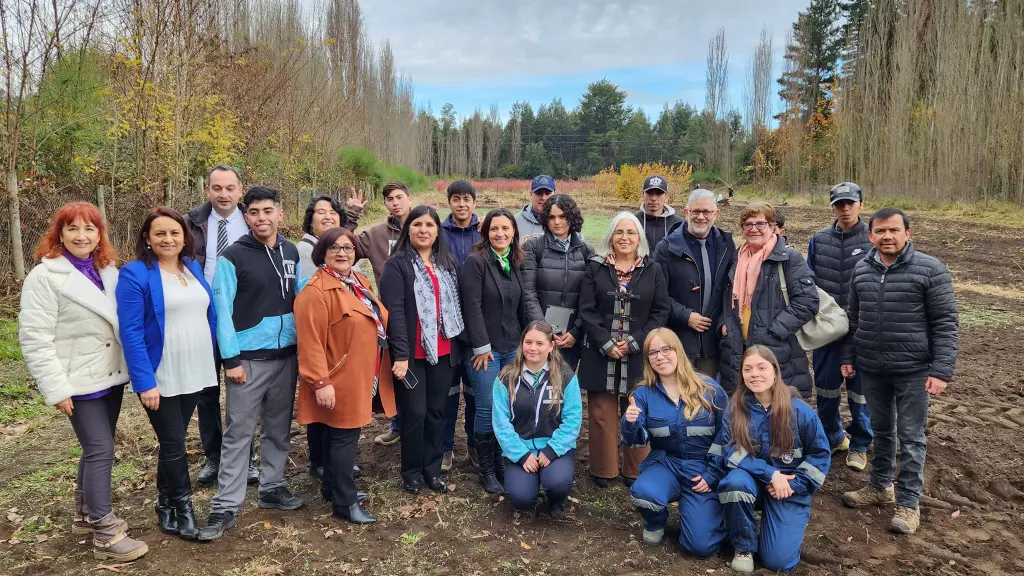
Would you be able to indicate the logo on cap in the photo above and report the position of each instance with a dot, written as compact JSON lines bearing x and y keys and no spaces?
{"x":655,"y":181}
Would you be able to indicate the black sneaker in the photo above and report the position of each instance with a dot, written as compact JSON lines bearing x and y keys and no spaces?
{"x":280,"y":498}
{"x":208,"y":472}
{"x":254,"y":474}
{"x":216,"y":525}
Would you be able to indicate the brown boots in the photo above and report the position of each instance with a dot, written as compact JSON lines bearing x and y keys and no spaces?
{"x":110,"y":541}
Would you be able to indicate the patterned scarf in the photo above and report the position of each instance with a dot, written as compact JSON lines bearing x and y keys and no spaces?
{"x":450,"y":321}
{"x":363,"y":295}
{"x":624,"y":277}
{"x":503,"y":259}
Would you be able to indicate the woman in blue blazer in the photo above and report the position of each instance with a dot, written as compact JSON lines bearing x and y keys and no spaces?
{"x":162,"y":301}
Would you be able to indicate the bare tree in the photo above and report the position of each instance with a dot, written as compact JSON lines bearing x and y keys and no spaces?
{"x":757,"y":90}
{"x":717,"y":146}
{"x":494,"y":133}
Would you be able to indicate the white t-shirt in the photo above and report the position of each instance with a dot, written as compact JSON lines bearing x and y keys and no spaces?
{"x":236,"y":229}
{"x":186,"y":365}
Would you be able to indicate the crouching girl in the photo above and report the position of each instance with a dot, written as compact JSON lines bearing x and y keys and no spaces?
{"x":678,"y":412}
{"x":537,"y":414}
{"x":772,"y":454}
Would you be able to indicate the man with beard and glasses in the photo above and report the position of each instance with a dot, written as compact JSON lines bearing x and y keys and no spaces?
{"x":695,"y":258}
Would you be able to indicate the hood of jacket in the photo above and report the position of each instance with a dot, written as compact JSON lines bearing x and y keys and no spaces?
{"x":527,"y":213}
{"x":666,"y":212}
{"x":452,"y":226}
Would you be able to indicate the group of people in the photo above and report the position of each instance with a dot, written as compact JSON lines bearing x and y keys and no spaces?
{"x":686,"y":345}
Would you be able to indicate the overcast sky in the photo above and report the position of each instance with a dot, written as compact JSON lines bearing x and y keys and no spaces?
{"x":474,"y":53}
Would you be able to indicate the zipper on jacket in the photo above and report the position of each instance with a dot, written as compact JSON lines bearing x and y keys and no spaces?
{"x":565,"y":276}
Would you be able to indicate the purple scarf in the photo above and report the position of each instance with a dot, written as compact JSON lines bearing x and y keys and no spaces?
{"x":86,"y":267}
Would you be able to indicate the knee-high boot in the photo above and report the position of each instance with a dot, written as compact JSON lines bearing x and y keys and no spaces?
{"x":485,"y":445}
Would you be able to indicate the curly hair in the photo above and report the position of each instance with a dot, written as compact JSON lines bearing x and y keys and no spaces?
{"x":568,"y":206}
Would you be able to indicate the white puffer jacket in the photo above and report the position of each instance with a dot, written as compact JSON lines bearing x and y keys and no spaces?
{"x":68,"y":331}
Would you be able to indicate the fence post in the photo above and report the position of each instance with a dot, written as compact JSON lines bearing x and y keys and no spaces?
{"x":101,"y":193}
{"x":14,"y":207}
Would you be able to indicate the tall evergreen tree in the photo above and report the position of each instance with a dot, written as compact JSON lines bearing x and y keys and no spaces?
{"x":812,"y":58}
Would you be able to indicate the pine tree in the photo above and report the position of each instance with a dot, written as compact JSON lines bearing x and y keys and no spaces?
{"x":854,"y":12}
{"x":812,"y":56}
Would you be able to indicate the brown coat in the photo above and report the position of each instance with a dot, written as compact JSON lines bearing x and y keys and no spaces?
{"x":337,"y":342}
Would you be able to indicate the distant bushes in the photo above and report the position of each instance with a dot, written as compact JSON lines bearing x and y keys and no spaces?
{"x":628,"y":182}
{"x":367,"y":170}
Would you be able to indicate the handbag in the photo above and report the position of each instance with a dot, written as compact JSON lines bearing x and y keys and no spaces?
{"x":827,"y":326}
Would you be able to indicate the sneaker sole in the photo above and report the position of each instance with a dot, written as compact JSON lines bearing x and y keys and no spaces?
{"x":384,"y":443}
{"x":899,"y":529}
{"x":275,"y":506}
{"x":133,"y":555}
{"x":855,"y":466}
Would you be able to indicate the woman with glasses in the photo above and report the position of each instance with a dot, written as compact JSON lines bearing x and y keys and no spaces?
{"x":623,"y":297}
{"x":341,"y":332}
{"x":677,"y":412}
{"x":754,"y":306}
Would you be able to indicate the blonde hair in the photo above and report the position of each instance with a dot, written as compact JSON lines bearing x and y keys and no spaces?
{"x":511,"y":372}
{"x":693,"y":390}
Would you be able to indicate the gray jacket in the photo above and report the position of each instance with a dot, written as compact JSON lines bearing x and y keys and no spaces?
{"x":772,"y":322}
{"x":528,"y":225}
{"x":903,"y":318}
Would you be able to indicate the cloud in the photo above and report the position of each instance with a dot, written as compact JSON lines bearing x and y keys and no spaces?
{"x":488,"y":42}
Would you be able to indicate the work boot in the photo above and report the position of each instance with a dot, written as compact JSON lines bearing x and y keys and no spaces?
{"x":485,"y":449}
{"x":185,"y":516}
{"x":111,"y":542}
{"x":80,"y":525}
{"x":842,"y":446}
{"x":165,"y":513}
{"x":446,"y":460}
{"x":857,"y":460}
{"x":653,"y":537}
{"x":743,"y":562}
{"x":906,"y":520}
{"x":388,"y":438}
{"x":869,"y":496}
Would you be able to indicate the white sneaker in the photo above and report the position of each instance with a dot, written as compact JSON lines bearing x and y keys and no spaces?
{"x":653,"y":538}
{"x":743,"y":562}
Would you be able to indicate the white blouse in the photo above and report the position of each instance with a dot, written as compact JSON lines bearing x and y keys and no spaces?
{"x":186,"y":365}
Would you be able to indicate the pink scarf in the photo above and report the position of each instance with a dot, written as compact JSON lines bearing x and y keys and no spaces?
{"x":748,"y":269}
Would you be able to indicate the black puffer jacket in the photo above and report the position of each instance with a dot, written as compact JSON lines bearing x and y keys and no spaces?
{"x":772,"y":323}
{"x":553,"y":276}
{"x":833,"y":254}
{"x":903,"y":318}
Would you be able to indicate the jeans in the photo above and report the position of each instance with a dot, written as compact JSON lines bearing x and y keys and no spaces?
{"x":523,"y":487}
{"x":170,"y":423}
{"x":828,"y":380}
{"x":899,"y":410}
{"x":94,"y":422}
{"x":451,"y":409}
{"x":483,"y":386}
{"x":423,"y":418}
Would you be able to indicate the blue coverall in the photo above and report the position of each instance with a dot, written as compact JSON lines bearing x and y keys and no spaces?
{"x":744,"y":479}
{"x":679,"y":452}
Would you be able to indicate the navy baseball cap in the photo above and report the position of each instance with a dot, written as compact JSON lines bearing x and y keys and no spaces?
{"x":655,"y":183}
{"x":542,"y":182}
{"x":844,"y":191}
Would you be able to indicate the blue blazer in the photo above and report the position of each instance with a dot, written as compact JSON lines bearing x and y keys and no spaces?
{"x":140,"y":312}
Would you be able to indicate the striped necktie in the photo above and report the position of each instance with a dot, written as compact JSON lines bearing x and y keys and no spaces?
{"x":222,"y":236}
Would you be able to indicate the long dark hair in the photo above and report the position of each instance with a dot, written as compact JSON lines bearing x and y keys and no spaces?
{"x":142,"y":250}
{"x":568,"y":206}
{"x":483,"y":246}
{"x":439,"y":251}
{"x":307,"y":222}
{"x":782,"y":409}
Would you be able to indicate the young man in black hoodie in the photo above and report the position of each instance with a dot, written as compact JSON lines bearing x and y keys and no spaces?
{"x":253,"y":293}
{"x":657,"y":217}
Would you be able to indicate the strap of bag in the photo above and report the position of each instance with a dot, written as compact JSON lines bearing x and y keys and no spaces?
{"x":782,"y":284}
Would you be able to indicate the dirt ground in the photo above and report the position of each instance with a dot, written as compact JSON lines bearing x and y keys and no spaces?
{"x":972,"y":520}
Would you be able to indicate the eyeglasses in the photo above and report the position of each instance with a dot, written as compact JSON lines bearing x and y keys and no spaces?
{"x":346,"y":248}
{"x":665,"y":352}
{"x":751,"y":225}
{"x":701,"y":213}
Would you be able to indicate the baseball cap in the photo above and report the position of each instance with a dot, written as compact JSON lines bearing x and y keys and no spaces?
{"x":844,"y":191}
{"x":542,"y":182}
{"x":655,"y":183}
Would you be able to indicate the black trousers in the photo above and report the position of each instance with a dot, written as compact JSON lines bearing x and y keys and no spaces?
{"x":339,"y":446}
{"x":211,"y":427}
{"x":422,"y":410}
{"x":170,"y":423}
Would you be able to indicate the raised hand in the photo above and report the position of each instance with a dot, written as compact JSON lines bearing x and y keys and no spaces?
{"x":633,"y":411}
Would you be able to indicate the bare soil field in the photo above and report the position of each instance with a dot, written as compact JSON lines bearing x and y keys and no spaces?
{"x":972,"y":520}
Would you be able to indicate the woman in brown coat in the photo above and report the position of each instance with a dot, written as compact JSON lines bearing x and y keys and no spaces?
{"x":343,"y":364}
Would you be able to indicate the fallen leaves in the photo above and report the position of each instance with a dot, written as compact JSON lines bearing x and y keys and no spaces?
{"x":525,"y":546}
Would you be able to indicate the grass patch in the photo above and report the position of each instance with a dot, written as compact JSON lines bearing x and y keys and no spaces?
{"x":972,"y":316}
{"x":19,"y":402}
{"x":44,"y":482}
{"x":10,"y":347}
{"x":411,"y":538}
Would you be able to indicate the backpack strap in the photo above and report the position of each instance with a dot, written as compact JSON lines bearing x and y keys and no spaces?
{"x":782,"y":284}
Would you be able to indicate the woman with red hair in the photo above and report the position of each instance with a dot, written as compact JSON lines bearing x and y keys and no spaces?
{"x":69,"y":338}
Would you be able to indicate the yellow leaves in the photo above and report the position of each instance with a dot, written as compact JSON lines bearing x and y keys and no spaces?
{"x":628,"y":182}
{"x":525,"y":546}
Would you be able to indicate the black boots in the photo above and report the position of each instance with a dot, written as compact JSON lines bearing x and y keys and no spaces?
{"x":185,"y":516}
{"x":165,"y":513}
{"x":485,"y":445}
{"x":355,"y":514}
